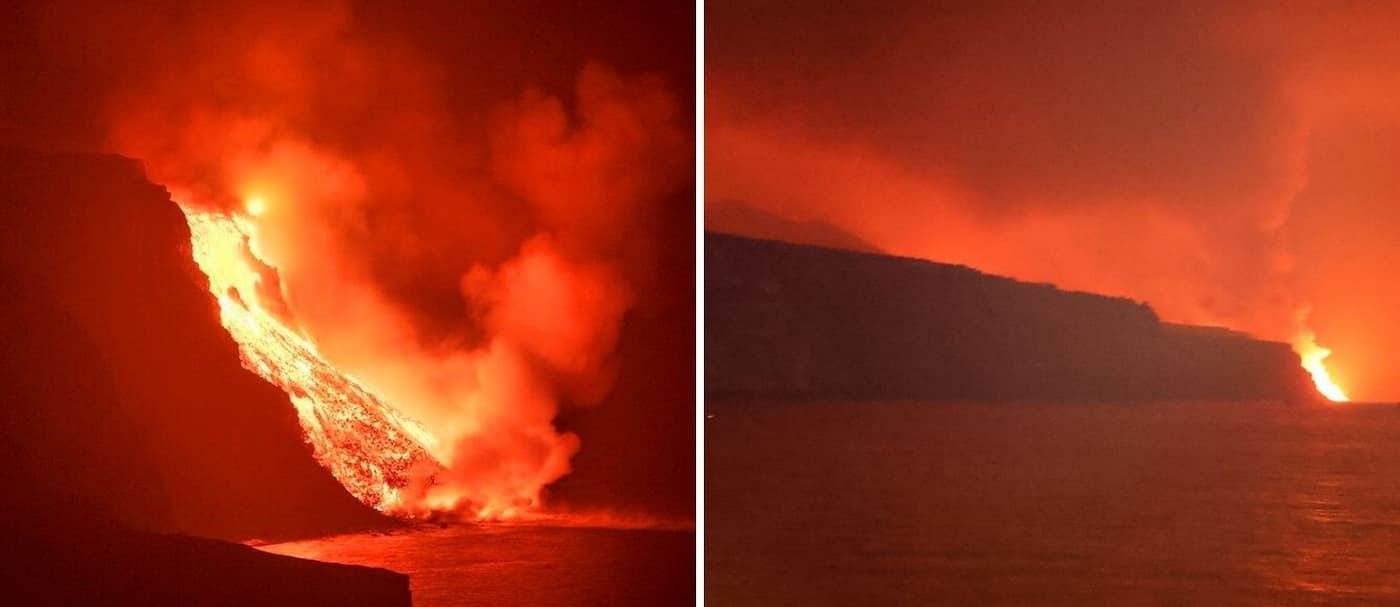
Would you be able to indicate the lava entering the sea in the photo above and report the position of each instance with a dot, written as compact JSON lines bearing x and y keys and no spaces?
{"x":372,"y":449}
{"x":1313,"y":357}
{"x":432,"y":278}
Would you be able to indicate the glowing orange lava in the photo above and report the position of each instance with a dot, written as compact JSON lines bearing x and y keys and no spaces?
{"x":256,"y":205}
{"x":368,"y":446}
{"x":1313,"y":356}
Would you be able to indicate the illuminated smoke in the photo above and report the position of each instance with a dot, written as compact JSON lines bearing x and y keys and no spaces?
{"x":365,"y":443}
{"x":429,"y":287}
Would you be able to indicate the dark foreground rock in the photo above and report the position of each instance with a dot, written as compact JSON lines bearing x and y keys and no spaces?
{"x":795,"y":321}
{"x":82,"y":564}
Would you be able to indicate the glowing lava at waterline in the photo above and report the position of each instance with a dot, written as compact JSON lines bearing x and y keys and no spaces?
{"x":1313,"y":356}
{"x":372,"y":449}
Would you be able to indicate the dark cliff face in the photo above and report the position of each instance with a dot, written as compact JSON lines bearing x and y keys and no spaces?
{"x":213,"y":449}
{"x":82,"y":483}
{"x":67,"y":450}
{"x":785,"y":320}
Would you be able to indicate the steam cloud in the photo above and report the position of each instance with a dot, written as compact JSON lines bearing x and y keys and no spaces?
{"x":467,"y":268}
{"x":1220,"y":161}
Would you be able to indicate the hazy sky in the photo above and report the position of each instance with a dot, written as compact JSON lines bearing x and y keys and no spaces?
{"x":1229,"y":165}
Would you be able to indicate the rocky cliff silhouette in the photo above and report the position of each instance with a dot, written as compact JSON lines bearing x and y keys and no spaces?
{"x":741,"y":219}
{"x":112,"y":252}
{"x":795,"y":321}
{"x":126,"y":419}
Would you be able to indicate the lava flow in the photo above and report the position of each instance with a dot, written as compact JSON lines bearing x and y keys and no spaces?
{"x":368,"y":446}
{"x":1313,"y":356}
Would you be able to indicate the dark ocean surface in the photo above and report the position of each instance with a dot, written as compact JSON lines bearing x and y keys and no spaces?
{"x":1052,"y":504}
{"x":523,"y":564}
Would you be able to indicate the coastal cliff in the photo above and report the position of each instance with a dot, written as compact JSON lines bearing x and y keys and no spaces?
{"x":92,"y":238}
{"x":127,"y":420}
{"x":796,"y":321}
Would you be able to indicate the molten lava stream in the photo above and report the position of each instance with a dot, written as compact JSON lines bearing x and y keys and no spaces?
{"x":1313,"y":356}
{"x":373,"y":450}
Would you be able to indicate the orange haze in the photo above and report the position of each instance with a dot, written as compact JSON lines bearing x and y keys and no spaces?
{"x":1228,"y":163}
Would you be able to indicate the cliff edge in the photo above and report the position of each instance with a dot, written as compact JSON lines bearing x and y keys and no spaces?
{"x":794,"y":321}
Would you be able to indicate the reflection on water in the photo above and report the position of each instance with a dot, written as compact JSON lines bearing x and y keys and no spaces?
{"x":529,"y":564}
{"x":1190,"y":503}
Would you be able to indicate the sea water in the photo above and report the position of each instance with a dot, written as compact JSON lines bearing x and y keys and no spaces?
{"x":523,"y":564}
{"x":1052,"y":504}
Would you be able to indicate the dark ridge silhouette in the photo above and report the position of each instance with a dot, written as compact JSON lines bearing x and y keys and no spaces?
{"x":112,"y":252}
{"x":741,"y":219}
{"x":794,"y":321}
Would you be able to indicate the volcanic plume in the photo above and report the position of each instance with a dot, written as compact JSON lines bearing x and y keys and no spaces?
{"x":1220,"y":161}
{"x":430,"y":285}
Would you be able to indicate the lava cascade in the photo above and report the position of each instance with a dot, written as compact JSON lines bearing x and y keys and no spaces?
{"x":1313,"y":358}
{"x":372,"y":449}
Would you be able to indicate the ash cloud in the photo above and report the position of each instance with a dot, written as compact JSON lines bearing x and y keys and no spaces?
{"x":1164,"y":151}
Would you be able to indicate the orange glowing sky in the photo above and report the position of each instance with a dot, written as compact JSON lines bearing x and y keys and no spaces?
{"x":1227,"y":164}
